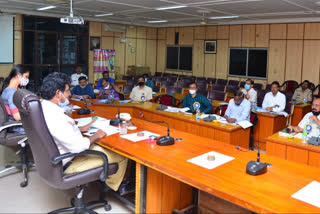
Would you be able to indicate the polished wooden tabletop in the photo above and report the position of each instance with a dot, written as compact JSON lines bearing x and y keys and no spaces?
{"x":265,"y":193}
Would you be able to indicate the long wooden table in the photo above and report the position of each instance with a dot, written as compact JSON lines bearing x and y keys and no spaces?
{"x":165,"y":178}
{"x":293,"y":149}
{"x":298,"y":113}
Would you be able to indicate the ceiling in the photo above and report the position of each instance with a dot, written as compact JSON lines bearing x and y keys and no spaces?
{"x":138,"y":12}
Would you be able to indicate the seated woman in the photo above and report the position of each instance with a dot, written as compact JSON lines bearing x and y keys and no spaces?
{"x":109,"y":90}
{"x":17,"y":77}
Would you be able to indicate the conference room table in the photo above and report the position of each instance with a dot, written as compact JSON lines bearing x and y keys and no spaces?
{"x":293,"y":149}
{"x":165,"y":179}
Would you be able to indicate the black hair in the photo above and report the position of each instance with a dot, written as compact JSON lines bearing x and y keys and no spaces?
{"x":146,"y":75}
{"x":251,"y":81}
{"x":105,"y":72}
{"x":17,"y":69}
{"x":192,"y":84}
{"x":53,"y":82}
{"x":275,"y":83}
{"x":107,"y":80}
{"x":82,"y":78}
{"x":140,"y":77}
{"x":307,"y":81}
{"x":239,"y":93}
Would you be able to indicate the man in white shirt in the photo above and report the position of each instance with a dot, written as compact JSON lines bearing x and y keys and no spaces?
{"x":249,"y":92}
{"x":55,"y":91}
{"x":310,"y":122}
{"x":238,"y":109}
{"x":141,"y":92}
{"x":274,"y":100}
{"x":75,"y":77}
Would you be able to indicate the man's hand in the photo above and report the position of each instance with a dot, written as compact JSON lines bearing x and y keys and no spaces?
{"x":87,"y":127}
{"x":247,"y":96}
{"x":225,"y":116}
{"x":99,"y":134}
{"x":231,"y":120}
{"x":295,"y":129}
{"x":314,"y":118}
{"x":85,"y":96}
{"x":269,"y":109}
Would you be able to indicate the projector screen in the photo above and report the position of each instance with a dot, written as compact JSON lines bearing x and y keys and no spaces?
{"x":6,"y":39}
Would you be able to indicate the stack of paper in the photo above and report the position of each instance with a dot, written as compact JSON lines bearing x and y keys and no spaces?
{"x":135,"y":138}
{"x":309,"y":194}
{"x":101,"y":123}
{"x":245,"y":124}
{"x":203,"y":161}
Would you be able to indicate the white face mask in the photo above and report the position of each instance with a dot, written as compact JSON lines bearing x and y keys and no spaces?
{"x":23,"y":81}
{"x":65,"y":103}
{"x":107,"y":87}
{"x":192,"y":91}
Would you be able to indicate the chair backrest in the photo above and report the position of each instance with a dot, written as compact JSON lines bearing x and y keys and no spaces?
{"x":131,"y":82}
{"x":289,"y":96}
{"x":257,"y":86}
{"x":172,"y":79}
{"x":183,"y":84}
{"x":201,"y":79}
{"x":156,"y":89}
{"x":260,"y":97}
{"x":289,"y":108}
{"x":127,"y":78}
{"x":289,"y":85}
{"x":222,"y":81}
{"x":233,"y":82}
{"x":3,"y":118}
{"x":171,"y":90}
{"x":253,"y":119}
{"x":268,"y":87}
{"x":232,"y":89}
{"x":211,"y":80}
{"x":158,"y":74}
{"x":166,"y":84}
{"x":127,"y":89}
{"x":121,"y":96}
{"x":203,"y":92}
{"x":217,"y":87}
{"x":43,"y":147}
{"x":242,"y":83}
{"x":221,"y":110}
{"x":165,"y":99}
{"x":216,"y":95}
{"x":202,"y":85}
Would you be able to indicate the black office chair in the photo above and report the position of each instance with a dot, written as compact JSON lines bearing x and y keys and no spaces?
{"x":165,"y":99}
{"x":14,"y":140}
{"x":49,"y":160}
{"x":221,"y":110}
{"x":121,"y":96}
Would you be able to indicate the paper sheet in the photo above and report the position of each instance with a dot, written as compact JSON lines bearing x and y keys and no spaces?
{"x":76,"y":107}
{"x":172,"y":109}
{"x":124,"y":101}
{"x":209,"y":164}
{"x":84,"y":121}
{"x":309,"y":194}
{"x":109,"y":131}
{"x":261,"y":110}
{"x":245,"y":124}
{"x":101,"y":123}
{"x":134,"y":138}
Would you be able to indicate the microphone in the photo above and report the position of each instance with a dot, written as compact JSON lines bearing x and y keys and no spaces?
{"x":163,"y":140}
{"x":116,"y":121}
{"x":256,"y":167}
{"x":84,"y":110}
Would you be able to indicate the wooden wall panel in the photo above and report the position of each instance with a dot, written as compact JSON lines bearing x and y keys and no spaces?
{"x":120,"y":55}
{"x":107,"y":42}
{"x":106,"y":33}
{"x":248,"y":36}
{"x":211,"y":32}
{"x":262,"y":36}
{"x":222,"y":59}
{"x":5,"y":69}
{"x":223,"y":32}
{"x":311,"y":56}
{"x":278,"y":31}
{"x":235,"y":36}
{"x":170,"y":35}
{"x":131,"y":32}
{"x":312,"y":31}
{"x":151,"y":33}
{"x":162,"y":33}
{"x":198,"y":58}
{"x":141,"y":52}
{"x":151,"y":55}
{"x":210,"y":65}
{"x":199,"y":32}
{"x":94,"y":28}
{"x":161,"y":56}
{"x":277,"y":56}
{"x":18,"y":47}
{"x":141,"y":33}
{"x":294,"y":60}
{"x":130,"y":57}
{"x":90,"y":67}
{"x":295,"y":31}
{"x":186,"y":36}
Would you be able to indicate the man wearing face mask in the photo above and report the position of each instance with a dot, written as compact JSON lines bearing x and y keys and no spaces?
{"x":238,"y":109}
{"x":55,"y":91}
{"x":106,"y":77}
{"x":149,"y":83}
{"x":302,"y":94}
{"x":83,"y":89}
{"x":249,"y":92}
{"x":274,"y":100}
{"x":194,"y":101}
{"x":141,"y":92}
{"x":310,"y":122}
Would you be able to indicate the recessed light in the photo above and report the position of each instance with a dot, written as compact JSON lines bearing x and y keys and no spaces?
{"x":171,"y":7}
{"x":47,"y":7}
{"x":157,"y":21}
{"x":223,"y":17}
{"x":105,"y":14}
{"x":317,"y":3}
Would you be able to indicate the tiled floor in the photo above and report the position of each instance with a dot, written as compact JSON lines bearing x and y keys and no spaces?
{"x":38,"y":197}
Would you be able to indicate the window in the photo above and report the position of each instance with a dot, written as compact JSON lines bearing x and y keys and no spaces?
{"x":248,"y":62}
{"x":179,"y":58}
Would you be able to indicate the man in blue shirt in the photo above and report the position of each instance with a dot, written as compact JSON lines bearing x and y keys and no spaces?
{"x":105,"y":76}
{"x":83,"y":89}
{"x":193,"y":100}
{"x":238,"y":109}
{"x":149,"y":83}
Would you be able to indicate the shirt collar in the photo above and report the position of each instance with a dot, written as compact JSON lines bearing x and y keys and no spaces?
{"x":52,"y":106}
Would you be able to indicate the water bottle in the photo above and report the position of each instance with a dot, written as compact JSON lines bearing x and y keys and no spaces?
{"x":123,"y":128}
{"x":198,"y":114}
{"x":304,"y":133}
{"x":253,"y":106}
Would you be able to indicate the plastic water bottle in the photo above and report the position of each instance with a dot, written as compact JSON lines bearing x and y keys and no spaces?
{"x":253,"y":106}
{"x":123,"y":128}
{"x":305,"y":136}
{"x":198,"y":114}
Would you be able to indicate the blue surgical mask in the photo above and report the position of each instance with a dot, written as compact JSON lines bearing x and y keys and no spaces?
{"x":247,"y":86}
{"x":65,"y":103}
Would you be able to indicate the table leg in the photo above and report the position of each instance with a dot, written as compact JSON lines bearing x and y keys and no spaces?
{"x":141,"y":184}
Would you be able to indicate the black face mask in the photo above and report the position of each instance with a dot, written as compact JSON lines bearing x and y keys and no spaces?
{"x":141,"y":83}
{"x":315,"y":112}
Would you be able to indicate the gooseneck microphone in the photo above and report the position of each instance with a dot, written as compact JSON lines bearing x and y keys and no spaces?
{"x":116,"y":121}
{"x":163,"y":140}
{"x":84,"y":110}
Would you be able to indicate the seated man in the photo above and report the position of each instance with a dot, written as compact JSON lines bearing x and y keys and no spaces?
{"x":109,"y":90}
{"x":310,"y":122}
{"x":249,"y":92}
{"x":66,"y":134}
{"x":141,"y":92}
{"x":303,"y":94}
{"x":274,"y":100}
{"x":238,"y":109}
{"x":83,"y":89}
{"x":193,"y":100}
{"x":149,"y":83}
{"x":105,"y":76}
{"x":75,"y":77}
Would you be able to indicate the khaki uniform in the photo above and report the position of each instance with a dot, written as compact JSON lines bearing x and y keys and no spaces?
{"x":299,"y":95}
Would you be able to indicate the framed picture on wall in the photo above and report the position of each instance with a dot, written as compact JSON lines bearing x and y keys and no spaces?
{"x":94,"y":43}
{"x":210,"y":46}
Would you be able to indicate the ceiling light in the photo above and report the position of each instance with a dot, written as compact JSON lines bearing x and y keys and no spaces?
{"x":105,"y":14}
{"x":157,"y":21}
{"x":171,"y":7}
{"x":223,"y":17}
{"x":47,"y":7}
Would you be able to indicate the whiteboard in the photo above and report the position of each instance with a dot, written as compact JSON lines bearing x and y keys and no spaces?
{"x":6,"y":39}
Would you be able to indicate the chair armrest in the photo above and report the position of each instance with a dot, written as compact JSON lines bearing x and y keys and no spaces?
{"x":10,"y":124}
{"x":57,"y":159}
